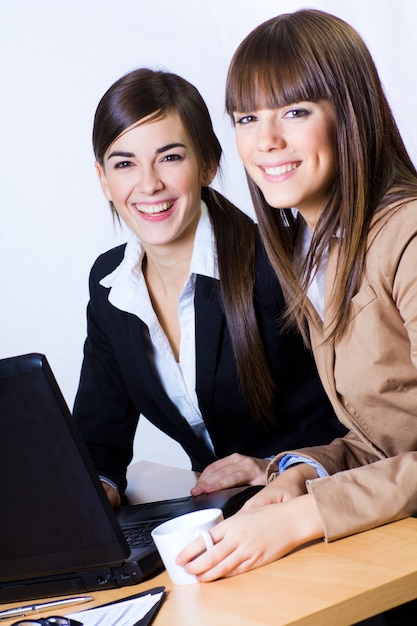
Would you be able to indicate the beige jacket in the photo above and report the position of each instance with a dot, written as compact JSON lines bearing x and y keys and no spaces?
{"x":370,"y":377}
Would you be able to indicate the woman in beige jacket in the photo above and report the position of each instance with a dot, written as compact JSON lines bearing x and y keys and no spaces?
{"x":316,"y":134}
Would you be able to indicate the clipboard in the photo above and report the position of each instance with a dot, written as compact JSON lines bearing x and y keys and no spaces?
{"x":143,"y":621}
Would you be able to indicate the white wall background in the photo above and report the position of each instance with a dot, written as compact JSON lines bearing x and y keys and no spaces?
{"x":57,"y":57}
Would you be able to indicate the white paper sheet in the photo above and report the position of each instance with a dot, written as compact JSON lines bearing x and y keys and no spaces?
{"x":125,"y":613}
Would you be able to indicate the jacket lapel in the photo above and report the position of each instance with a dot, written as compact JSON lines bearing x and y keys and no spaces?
{"x":165,"y":415}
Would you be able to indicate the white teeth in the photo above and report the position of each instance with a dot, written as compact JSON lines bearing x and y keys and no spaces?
{"x":278,"y":170}
{"x":153,"y":208}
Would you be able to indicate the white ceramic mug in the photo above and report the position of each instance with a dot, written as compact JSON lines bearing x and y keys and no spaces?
{"x":172,"y":536}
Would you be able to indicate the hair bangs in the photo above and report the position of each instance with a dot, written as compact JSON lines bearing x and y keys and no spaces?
{"x":272,"y":68}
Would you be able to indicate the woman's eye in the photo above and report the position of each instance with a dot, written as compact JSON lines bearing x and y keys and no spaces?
{"x":122,"y":165}
{"x":296,"y":113}
{"x":244,"y":119}
{"x":171,"y":157}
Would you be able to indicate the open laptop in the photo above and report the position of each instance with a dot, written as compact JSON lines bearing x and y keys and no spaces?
{"x":58,"y":532}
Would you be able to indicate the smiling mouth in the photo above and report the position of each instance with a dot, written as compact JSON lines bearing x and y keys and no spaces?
{"x":278,"y":170}
{"x":153,"y":209}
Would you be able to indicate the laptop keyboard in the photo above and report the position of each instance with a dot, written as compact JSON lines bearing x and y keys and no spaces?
{"x":139,"y":535}
{"x":138,"y":532}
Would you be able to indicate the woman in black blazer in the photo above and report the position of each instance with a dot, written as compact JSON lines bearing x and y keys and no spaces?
{"x":184,"y":321}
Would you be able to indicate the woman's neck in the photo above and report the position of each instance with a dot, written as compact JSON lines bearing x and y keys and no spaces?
{"x":165,"y":275}
{"x":167,"y":270}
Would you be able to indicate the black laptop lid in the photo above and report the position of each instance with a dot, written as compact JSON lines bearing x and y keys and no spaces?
{"x":55,"y":516}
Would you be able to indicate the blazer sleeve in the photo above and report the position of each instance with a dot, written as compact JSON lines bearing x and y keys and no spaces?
{"x":103,"y":409}
{"x":368,"y":496}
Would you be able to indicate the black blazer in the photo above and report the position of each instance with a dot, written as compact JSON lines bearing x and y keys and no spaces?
{"x":118,"y":382}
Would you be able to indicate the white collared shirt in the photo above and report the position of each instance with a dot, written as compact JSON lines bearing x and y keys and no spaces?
{"x":316,"y":288}
{"x":128,"y":292}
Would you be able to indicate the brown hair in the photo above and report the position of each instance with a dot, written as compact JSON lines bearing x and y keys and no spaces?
{"x":143,"y":93}
{"x":306,"y":56}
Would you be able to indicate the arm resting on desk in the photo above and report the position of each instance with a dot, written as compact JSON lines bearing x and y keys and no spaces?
{"x":256,"y":536}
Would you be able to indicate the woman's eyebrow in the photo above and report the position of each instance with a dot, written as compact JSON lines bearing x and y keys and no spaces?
{"x":130,"y":155}
{"x":170,"y":146}
{"x":119,"y":153}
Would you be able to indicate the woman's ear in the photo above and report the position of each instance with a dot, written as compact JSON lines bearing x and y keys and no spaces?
{"x":208,"y":175}
{"x":103,"y":181}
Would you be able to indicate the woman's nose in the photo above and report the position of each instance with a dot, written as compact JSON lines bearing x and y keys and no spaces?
{"x":270,"y":136}
{"x":149,"y":181}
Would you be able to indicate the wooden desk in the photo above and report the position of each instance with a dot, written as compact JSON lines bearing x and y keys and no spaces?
{"x":322,"y":584}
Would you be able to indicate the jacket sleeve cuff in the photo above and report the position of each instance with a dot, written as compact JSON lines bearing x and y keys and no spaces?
{"x":283,"y":461}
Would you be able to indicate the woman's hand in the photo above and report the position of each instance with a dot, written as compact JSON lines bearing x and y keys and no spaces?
{"x":253,"y":538}
{"x":288,"y":485}
{"x":112,"y":494}
{"x":231,"y":471}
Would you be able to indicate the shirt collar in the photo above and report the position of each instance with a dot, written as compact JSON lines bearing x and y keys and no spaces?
{"x":204,"y":257}
{"x":125,"y":278}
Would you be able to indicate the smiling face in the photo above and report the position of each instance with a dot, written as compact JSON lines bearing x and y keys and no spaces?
{"x":152,"y":176}
{"x":290,"y":154}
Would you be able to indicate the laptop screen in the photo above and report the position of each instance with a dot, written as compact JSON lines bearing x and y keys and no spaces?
{"x":55,"y":516}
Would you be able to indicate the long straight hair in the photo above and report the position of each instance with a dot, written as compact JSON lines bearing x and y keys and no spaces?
{"x":145,"y":93}
{"x":310,"y":55}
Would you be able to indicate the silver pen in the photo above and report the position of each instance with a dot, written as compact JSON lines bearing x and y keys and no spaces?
{"x":20,"y":611}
